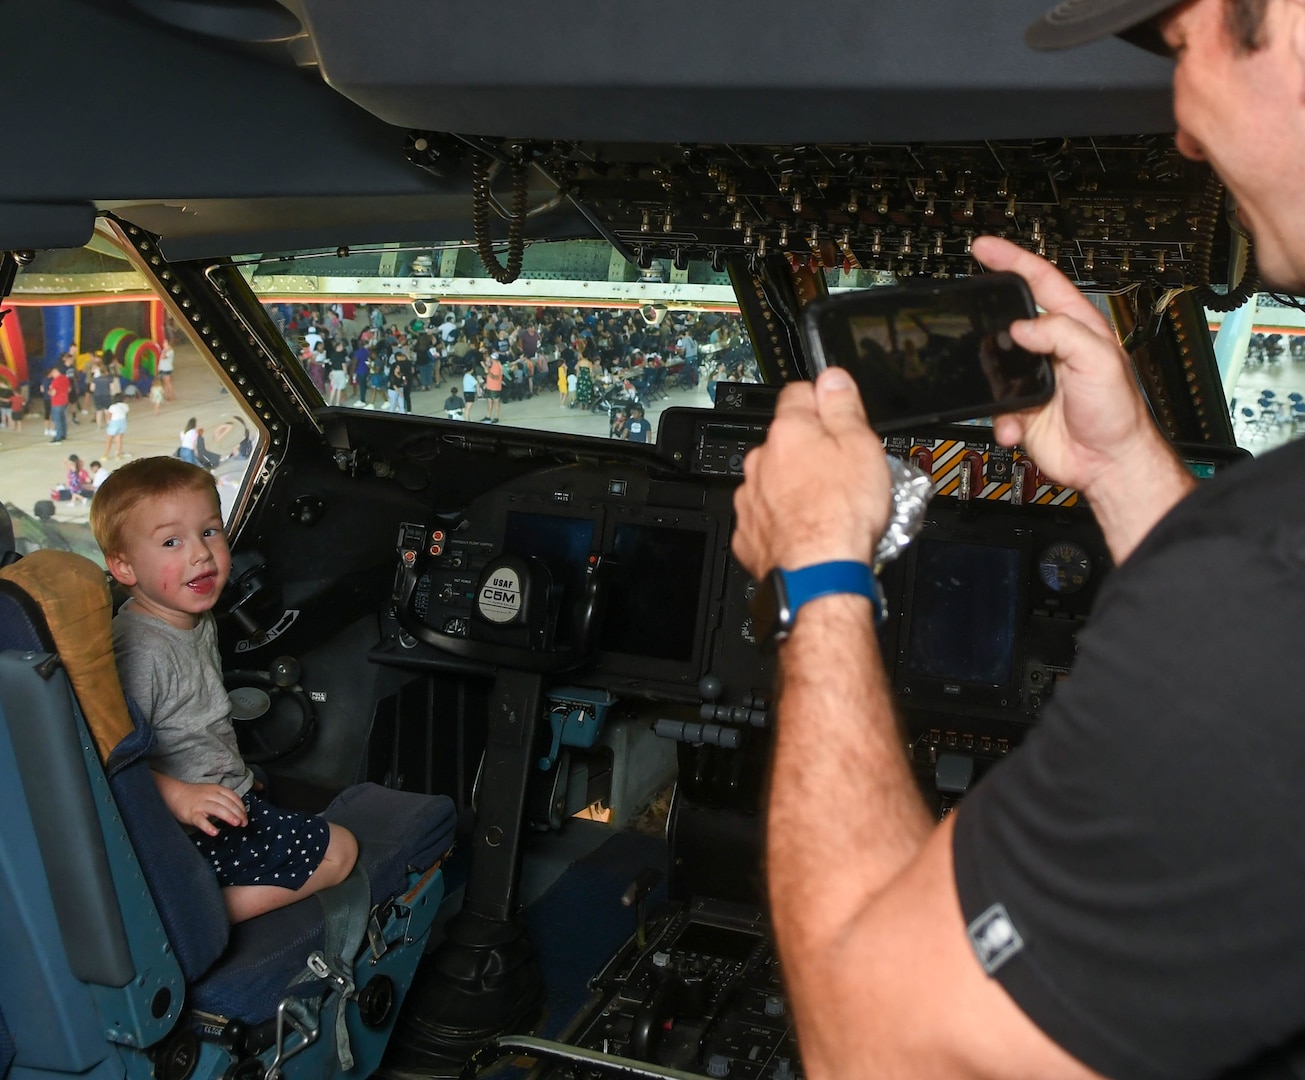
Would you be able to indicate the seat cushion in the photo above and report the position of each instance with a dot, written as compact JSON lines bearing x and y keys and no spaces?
{"x":398,"y":832}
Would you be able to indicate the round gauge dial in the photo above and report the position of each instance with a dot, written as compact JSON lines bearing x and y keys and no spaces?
{"x":1065,"y":567}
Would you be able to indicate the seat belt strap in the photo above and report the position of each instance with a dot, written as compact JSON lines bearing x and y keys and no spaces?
{"x":346,"y":908}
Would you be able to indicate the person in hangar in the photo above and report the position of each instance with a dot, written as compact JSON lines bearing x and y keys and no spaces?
{"x":1123,"y":896}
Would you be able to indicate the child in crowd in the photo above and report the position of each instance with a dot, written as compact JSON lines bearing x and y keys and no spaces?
{"x":99,"y":474}
{"x":159,"y":524}
{"x":616,"y":426}
{"x":7,"y":407}
{"x":637,"y":429}
{"x":116,"y":427}
{"x":453,"y":404}
{"x":79,"y":480}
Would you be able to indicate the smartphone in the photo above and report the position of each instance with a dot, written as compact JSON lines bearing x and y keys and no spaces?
{"x":932,"y":352}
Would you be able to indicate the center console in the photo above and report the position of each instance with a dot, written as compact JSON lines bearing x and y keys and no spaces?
{"x":983,"y":616}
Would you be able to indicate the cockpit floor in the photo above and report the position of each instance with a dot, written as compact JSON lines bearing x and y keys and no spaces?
{"x":578,"y":924}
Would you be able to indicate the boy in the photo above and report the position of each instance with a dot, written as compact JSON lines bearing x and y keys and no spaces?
{"x":637,"y":428}
{"x":99,"y":474}
{"x":159,"y":524}
{"x":453,"y":404}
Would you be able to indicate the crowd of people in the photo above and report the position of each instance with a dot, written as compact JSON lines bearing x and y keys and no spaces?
{"x":65,"y":392}
{"x":598,"y":360}
{"x":95,"y":391}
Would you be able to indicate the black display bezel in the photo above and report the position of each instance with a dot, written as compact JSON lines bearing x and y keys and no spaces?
{"x":929,"y":691}
{"x":827,"y":326}
{"x":660,"y":669}
{"x":607,"y":518}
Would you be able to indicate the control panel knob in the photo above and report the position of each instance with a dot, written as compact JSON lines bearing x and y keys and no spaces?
{"x":661,"y":959}
{"x":709,"y":687}
{"x":783,"y":1070}
{"x":718,"y":1065}
{"x":284,"y":671}
{"x":774,"y":1005}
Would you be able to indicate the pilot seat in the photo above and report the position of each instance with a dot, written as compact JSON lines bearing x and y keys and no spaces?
{"x":119,"y":960}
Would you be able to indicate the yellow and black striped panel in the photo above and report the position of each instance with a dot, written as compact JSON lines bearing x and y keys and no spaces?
{"x":998,"y":466}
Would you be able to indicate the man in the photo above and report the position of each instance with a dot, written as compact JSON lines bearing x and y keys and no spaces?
{"x":687,"y":347}
{"x":59,"y":394}
{"x":448,"y":329}
{"x":1124,"y":895}
{"x":528,"y":339}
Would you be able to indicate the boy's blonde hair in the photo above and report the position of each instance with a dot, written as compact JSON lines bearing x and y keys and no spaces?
{"x":125,"y":487}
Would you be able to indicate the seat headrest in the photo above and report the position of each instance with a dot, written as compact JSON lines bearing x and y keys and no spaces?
{"x":73,"y":596}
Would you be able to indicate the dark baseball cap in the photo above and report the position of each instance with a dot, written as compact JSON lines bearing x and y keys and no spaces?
{"x":1078,"y":22}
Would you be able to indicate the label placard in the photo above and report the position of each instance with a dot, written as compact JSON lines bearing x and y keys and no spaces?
{"x":499,"y":599}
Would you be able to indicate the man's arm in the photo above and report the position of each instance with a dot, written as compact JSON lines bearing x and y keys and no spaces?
{"x":870,"y":932}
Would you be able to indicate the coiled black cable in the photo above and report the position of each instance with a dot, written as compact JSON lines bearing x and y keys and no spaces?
{"x":480,"y":211}
{"x":1210,"y":215}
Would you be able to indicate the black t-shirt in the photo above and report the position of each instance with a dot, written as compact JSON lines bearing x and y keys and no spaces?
{"x":1145,"y":843}
{"x":401,"y":372}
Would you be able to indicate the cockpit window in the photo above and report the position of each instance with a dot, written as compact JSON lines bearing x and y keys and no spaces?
{"x":1261,"y":353}
{"x":96,"y":371}
{"x":582,"y":336}
{"x":574,"y":346}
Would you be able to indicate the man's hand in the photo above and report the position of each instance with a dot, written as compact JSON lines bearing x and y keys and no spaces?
{"x":200,"y":805}
{"x":818,"y":488}
{"x":1096,"y":433}
{"x":1096,"y":418}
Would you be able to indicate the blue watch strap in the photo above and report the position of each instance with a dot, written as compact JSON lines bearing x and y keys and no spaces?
{"x":828,"y":578}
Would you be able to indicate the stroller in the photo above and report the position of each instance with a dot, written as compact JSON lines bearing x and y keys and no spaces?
{"x":620,"y":395}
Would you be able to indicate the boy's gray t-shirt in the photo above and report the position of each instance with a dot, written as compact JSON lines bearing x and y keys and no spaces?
{"x":175,"y":676}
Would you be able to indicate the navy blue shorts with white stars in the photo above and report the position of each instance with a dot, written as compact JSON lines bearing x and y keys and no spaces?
{"x":277,"y":847}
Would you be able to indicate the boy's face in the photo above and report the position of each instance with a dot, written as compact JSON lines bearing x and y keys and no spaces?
{"x":174,"y":557}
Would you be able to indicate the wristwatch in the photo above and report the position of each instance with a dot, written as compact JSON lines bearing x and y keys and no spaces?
{"x":782,"y":593}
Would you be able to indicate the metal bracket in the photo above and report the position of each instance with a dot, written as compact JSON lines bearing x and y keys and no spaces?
{"x":293,"y":1013}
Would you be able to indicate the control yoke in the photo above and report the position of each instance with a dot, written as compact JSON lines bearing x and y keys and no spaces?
{"x":484,"y":978}
{"x":516,"y":621}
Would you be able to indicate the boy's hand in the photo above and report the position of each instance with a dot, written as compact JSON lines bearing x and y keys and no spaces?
{"x":200,"y":805}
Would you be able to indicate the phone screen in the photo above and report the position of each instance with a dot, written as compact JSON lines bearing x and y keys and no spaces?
{"x":934,"y":352}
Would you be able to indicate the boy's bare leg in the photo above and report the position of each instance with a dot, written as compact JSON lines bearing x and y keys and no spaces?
{"x":245,"y":901}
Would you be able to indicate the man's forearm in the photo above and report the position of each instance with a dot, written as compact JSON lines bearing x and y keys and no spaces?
{"x":842,"y":793}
